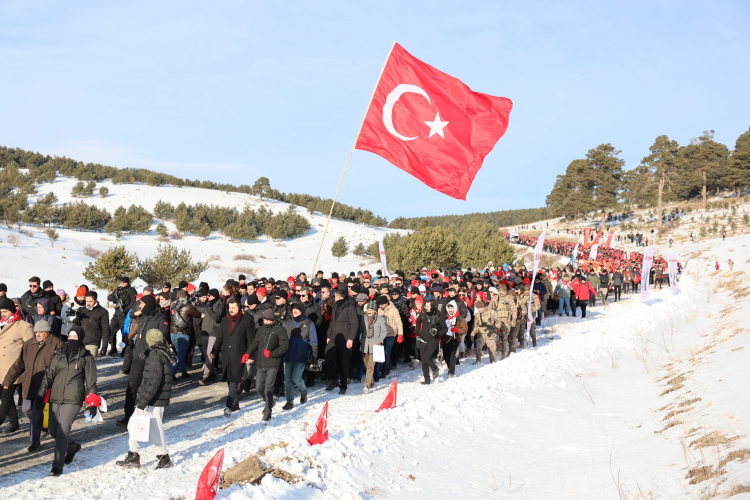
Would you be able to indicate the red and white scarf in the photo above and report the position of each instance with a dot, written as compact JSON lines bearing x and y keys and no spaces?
{"x":16,"y":317}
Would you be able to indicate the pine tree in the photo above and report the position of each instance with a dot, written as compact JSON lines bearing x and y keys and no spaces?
{"x":662,"y":165}
{"x":605,"y":175}
{"x":103,"y":191}
{"x":205,"y":231}
{"x":163,"y":210}
{"x":707,"y":159}
{"x":738,"y":175}
{"x":431,"y":247}
{"x":572,"y":192}
{"x":340,"y":248}
{"x":53,"y":236}
{"x":106,"y":271}
{"x":359,"y":250}
{"x":161,"y":230}
{"x":261,"y":187}
{"x":171,"y":265}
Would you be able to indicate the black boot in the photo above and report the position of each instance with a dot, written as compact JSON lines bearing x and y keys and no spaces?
{"x":33,"y":446}
{"x":332,"y":385}
{"x":55,"y":472}
{"x":164,"y":462}
{"x":426,"y":381}
{"x":288,"y":406}
{"x":266,"y":414}
{"x":132,"y":461}
{"x":70,"y":456}
{"x":303,"y":398}
{"x":11,"y":429}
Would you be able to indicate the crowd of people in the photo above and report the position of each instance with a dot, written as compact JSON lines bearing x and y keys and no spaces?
{"x":278,"y":337}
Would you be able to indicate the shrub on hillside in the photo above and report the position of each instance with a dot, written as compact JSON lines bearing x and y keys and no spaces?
{"x":163,"y":210}
{"x":106,"y":271}
{"x":135,"y":219}
{"x":171,"y":265}
{"x":340,"y":248}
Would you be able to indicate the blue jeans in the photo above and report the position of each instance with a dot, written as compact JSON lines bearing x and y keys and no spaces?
{"x":293,"y":375}
{"x":382,"y":369}
{"x":564,"y":303}
{"x":181,"y":341}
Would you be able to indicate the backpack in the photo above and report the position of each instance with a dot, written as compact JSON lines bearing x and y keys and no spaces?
{"x":177,"y":320}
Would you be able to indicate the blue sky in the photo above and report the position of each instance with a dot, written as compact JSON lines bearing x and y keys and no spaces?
{"x":230,"y":91}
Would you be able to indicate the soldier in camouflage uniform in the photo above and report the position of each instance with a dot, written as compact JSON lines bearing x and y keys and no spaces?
{"x":523,"y":303}
{"x":505,"y":307}
{"x":519,"y":319}
{"x":486,"y":325}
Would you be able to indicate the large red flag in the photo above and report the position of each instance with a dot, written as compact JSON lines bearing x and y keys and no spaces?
{"x":432,"y":125}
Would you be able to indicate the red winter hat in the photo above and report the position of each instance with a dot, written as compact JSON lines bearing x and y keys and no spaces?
{"x":419,"y":300}
{"x":93,"y":400}
{"x":139,"y":296}
{"x":82,"y":290}
{"x":190,"y":287}
{"x":415,"y":283}
{"x":526,"y":281}
{"x":261,"y":291}
{"x":290,"y":279}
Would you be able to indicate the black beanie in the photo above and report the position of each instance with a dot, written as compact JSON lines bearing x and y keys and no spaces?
{"x":297,"y":305}
{"x":3,"y":287}
{"x":149,"y":304}
{"x":253,"y":300}
{"x":6,"y":303}
{"x":47,"y":284}
{"x":183,"y":284}
{"x":213,"y":292}
{"x":382,"y":300}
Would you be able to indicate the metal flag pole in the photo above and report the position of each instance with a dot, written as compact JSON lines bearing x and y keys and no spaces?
{"x":330,"y":213}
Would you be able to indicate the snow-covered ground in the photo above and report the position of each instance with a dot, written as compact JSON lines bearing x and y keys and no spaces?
{"x":623,"y":404}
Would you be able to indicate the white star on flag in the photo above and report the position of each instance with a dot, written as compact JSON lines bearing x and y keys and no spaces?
{"x":436,"y":127}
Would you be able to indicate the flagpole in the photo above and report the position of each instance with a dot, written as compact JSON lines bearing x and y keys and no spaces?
{"x":330,"y":213}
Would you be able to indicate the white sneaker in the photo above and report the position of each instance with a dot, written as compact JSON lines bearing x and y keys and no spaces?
{"x":366,"y":390}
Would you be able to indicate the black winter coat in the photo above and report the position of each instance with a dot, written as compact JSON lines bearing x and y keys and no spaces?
{"x":156,"y":384}
{"x":71,"y":375}
{"x":344,"y":322}
{"x":123,"y":298}
{"x":266,"y":337}
{"x":28,"y":303}
{"x":427,"y":321}
{"x":95,"y":323}
{"x":212,"y":316}
{"x":145,"y":323}
{"x":55,"y":302}
{"x":233,"y":344}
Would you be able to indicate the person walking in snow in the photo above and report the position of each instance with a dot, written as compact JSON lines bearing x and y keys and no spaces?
{"x":430,"y":327}
{"x":14,"y":332}
{"x":486,"y":325}
{"x":374,"y":333}
{"x":154,"y":394}
{"x":236,"y":334}
{"x":457,"y":328}
{"x":36,"y":355}
{"x":303,"y":347}
{"x":69,"y":377}
{"x":270,"y":343}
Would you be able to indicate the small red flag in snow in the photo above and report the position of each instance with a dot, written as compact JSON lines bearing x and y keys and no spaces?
{"x":320,"y":435}
{"x":432,"y":125}
{"x":209,"y":480}
{"x":390,"y":398}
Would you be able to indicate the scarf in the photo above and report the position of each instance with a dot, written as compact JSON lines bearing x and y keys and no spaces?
{"x":371,"y":326}
{"x":233,"y":318}
{"x":16,"y":317}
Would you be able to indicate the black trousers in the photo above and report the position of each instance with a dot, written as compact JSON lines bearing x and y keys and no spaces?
{"x":264,"y":382}
{"x":134,"y":382}
{"x":426,"y":350}
{"x":583,"y":305}
{"x":8,"y":406}
{"x":115,"y":325}
{"x":338,"y":353}
{"x":127,"y":357}
{"x":618,"y":291}
{"x":449,"y":355}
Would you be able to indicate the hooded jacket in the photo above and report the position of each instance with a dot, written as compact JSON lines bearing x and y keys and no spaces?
{"x":156,"y":385}
{"x":70,"y":375}
{"x":54,"y":321}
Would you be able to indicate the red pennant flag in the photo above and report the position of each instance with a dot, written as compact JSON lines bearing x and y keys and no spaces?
{"x":432,"y":125}
{"x":390,"y":399}
{"x":209,"y":480}
{"x":320,"y":435}
{"x":609,"y":238}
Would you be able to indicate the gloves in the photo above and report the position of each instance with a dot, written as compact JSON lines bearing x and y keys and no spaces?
{"x":454,"y":330}
{"x":267,"y":353}
{"x":400,"y":339}
{"x":245,"y":358}
{"x":92,"y":411}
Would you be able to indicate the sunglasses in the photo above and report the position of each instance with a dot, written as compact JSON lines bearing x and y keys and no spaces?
{"x":33,"y":286}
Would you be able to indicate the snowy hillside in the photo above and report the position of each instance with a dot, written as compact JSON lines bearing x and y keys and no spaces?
{"x":279,"y":259}
{"x":642,"y":400}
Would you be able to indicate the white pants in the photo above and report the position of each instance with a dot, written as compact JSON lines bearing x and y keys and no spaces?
{"x":156,"y":431}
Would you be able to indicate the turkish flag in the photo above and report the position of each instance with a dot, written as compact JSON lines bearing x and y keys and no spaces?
{"x":432,"y":125}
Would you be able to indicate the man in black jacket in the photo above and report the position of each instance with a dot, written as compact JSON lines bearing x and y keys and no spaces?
{"x":154,"y":394}
{"x":271,"y":342}
{"x":213,"y":309}
{"x":340,"y":338}
{"x":150,"y":318}
{"x":95,"y":324}
{"x":28,"y":299}
{"x":123,"y":298}
{"x":54,"y":300}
